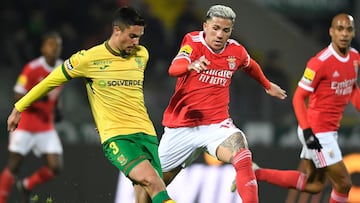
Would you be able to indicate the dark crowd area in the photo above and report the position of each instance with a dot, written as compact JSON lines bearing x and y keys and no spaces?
{"x":83,"y":24}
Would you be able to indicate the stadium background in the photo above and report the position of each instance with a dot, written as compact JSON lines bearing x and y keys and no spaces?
{"x":291,"y":31}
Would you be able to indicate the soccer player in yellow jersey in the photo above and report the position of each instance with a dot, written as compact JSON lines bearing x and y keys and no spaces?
{"x":114,"y":74}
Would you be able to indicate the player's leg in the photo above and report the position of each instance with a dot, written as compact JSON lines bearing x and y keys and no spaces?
{"x":341,"y":182}
{"x":132,"y":155}
{"x":311,"y":181}
{"x":45,"y":173}
{"x":235,"y":150}
{"x":147,"y":177}
{"x":178,"y":149}
{"x":330,"y":157}
{"x":169,"y":176}
{"x":8,"y":175}
{"x":20,"y":144}
{"x":227,"y":143}
{"x":323,"y":165}
{"x":141,"y":196}
{"x":152,"y":152}
{"x":48,"y":146}
{"x":295,"y":195}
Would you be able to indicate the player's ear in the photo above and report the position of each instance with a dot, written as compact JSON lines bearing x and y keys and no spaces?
{"x":205,"y":25}
{"x":331,"y":32}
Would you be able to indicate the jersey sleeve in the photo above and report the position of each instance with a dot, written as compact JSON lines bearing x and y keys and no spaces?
{"x":188,"y":48}
{"x":54,"y":79}
{"x":179,"y":65}
{"x":254,"y":71}
{"x":22,"y":85}
{"x":355,"y":97}
{"x":77,"y":65}
{"x":145,"y":55}
{"x":299,"y":105}
{"x":246,"y":58}
{"x":312,"y":75}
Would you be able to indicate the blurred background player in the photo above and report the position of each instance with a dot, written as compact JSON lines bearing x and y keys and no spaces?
{"x":35,"y":132}
{"x":114,"y":75}
{"x":197,"y":118}
{"x":329,"y":83}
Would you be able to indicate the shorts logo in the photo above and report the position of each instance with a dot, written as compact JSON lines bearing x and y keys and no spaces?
{"x":308,"y":76}
{"x":331,"y":153}
{"x":122,"y":160}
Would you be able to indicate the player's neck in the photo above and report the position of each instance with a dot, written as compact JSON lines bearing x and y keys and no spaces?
{"x":342,"y":51}
{"x":50,"y":61}
{"x":110,"y":46}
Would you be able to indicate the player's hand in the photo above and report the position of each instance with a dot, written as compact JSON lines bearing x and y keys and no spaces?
{"x":276,"y":91}
{"x":311,"y":140}
{"x":13,"y":120}
{"x":199,"y":65}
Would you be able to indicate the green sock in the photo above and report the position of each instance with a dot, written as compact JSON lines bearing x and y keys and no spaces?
{"x":161,"y":197}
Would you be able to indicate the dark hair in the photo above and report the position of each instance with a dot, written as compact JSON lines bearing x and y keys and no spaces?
{"x":50,"y":34}
{"x":127,"y":16}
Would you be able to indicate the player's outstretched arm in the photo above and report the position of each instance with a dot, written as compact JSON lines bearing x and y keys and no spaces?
{"x":276,"y":91}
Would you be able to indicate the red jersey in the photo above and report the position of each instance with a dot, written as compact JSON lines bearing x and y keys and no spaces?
{"x":40,"y":115}
{"x":331,"y":78}
{"x":203,"y":98}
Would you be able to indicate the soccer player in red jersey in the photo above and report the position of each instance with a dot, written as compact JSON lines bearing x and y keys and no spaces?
{"x":197,"y":118}
{"x":329,"y":83}
{"x":35,"y":132}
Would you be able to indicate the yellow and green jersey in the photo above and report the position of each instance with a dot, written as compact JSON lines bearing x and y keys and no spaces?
{"x":114,"y":86}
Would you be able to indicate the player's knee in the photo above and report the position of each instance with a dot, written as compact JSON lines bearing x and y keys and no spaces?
{"x":241,"y":142}
{"x":56,"y":168}
{"x":314,"y":188}
{"x":150,"y":180}
{"x":344,"y":186}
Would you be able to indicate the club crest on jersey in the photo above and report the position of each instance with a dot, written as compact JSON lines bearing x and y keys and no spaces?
{"x":232,"y":62}
{"x":308,"y":76}
{"x":139,"y":62}
{"x":185,"y":50}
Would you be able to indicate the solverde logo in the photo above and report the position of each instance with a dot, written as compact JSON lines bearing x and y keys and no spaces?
{"x":102,"y":83}
{"x":119,"y":83}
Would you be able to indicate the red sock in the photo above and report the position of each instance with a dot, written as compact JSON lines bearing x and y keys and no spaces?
{"x":42,"y":175}
{"x":337,"y":197}
{"x":246,"y":184}
{"x":7,"y":180}
{"x":282,"y":178}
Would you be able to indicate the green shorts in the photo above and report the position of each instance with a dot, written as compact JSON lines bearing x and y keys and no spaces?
{"x":127,"y":151}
